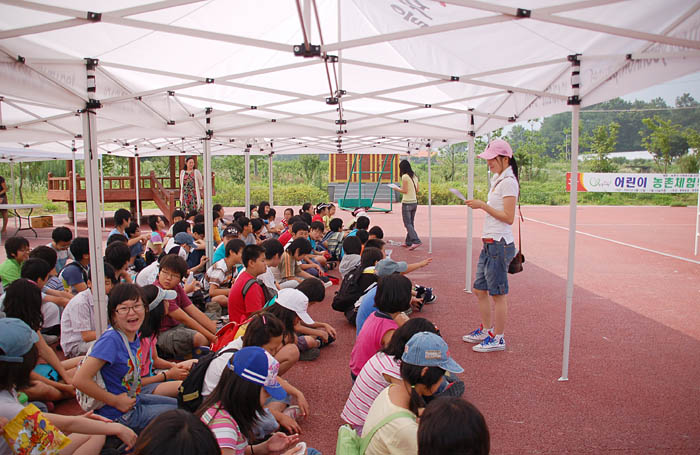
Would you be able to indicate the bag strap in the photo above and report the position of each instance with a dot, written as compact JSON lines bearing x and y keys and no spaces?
{"x":366,"y":439}
{"x":137,"y":365}
{"x":248,"y":285}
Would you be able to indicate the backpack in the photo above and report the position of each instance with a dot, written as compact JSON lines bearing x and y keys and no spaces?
{"x":189,"y":394}
{"x":349,"y":291}
{"x":269,"y":295}
{"x":225,"y":335}
{"x":349,"y":443}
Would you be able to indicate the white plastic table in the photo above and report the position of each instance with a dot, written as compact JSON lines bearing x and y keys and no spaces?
{"x":15,"y":208}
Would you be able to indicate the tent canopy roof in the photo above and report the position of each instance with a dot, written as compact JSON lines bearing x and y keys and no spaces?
{"x":408,"y":69}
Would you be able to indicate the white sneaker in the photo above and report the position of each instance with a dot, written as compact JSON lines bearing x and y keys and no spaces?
{"x":476,"y":336}
{"x":491,"y":344}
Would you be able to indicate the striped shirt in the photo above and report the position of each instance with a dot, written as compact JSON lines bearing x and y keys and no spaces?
{"x":225,"y":429}
{"x":369,"y":383}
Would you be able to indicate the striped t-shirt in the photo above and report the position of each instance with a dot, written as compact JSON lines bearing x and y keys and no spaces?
{"x":225,"y":429}
{"x":369,"y":383}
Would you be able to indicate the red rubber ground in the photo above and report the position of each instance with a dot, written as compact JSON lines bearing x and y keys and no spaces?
{"x":634,"y":374}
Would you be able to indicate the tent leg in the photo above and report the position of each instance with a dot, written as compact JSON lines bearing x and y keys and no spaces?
{"x":137,"y":179}
{"x":92,"y":178}
{"x":247,"y":182}
{"x":75,"y":194}
{"x":430,"y":203}
{"x":470,"y":212}
{"x":102,"y":191}
{"x":270,"y":180}
{"x":14,"y":187}
{"x":208,"y":202}
{"x":573,"y":201}
{"x":697,"y":222}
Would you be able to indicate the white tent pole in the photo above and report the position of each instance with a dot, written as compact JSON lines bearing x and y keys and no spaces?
{"x":138,"y":185}
{"x":102,"y":191}
{"x":270,"y":180}
{"x":75,"y":193}
{"x":340,"y":51}
{"x":208,"y":202}
{"x":430,"y":202}
{"x":91,"y":158}
{"x":14,"y":187}
{"x":575,"y":102}
{"x":470,"y":212}
{"x":247,"y":180}
{"x":697,"y":222}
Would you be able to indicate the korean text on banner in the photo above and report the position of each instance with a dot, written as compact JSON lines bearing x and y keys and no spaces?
{"x":635,"y":183}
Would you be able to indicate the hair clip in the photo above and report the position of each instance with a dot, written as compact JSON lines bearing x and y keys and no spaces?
{"x":264,"y":320}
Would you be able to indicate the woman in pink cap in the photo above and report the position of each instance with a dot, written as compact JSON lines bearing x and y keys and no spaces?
{"x":498,"y":246}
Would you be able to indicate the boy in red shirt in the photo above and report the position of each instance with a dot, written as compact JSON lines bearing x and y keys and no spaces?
{"x":241,"y":307}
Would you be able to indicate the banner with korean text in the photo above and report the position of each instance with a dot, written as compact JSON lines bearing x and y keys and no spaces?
{"x":635,"y":183}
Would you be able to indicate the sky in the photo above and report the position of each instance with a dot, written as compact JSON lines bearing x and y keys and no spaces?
{"x":670,"y":90}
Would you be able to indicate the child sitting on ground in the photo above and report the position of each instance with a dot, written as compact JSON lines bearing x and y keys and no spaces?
{"x":289,"y":268}
{"x":74,"y":275}
{"x":178,"y":215}
{"x":288,"y":213}
{"x":61,"y":238}
{"x":273,"y":228}
{"x":333,"y":240}
{"x":116,"y":356}
{"x":137,"y":249}
{"x":168,"y":379}
{"x":50,"y":293}
{"x":18,"y":357}
{"x":155,"y":244}
{"x":248,"y":294}
{"x":78,"y":318}
{"x":185,"y":327}
{"x":17,"y":251}
{"x":229,"y":233}
{"x":271,"y":277}
{"x":221,"y":276}
{"x":393,"y":298}
{"x":351,"y":251}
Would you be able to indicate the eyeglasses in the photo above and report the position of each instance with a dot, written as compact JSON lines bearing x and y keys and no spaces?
{"x":124,"y":310}
{"x":174,"y":276}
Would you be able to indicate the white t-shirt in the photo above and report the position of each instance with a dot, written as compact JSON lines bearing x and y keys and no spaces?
{"x":398,"y":437}
{"x":502,"y":185}
{"x":9,"y":408}
{"x":269,"y":277}
{"x":216,"y":366}
{"x":369,"y":383}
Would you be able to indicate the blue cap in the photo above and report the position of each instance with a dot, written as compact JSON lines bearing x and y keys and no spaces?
{"x":183,"y":238}
{"x":16,"y":339}
{"x":254,"y":364}
{"x":388,"y":266}
{"x":427,"y":349}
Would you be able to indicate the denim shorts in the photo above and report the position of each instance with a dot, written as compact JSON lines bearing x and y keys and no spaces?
{"x":492,"y":269}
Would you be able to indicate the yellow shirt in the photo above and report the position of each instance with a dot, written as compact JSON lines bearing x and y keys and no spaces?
{"x":410,"y":196}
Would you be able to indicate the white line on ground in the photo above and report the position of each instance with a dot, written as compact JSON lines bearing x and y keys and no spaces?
{"x":692,"y":261}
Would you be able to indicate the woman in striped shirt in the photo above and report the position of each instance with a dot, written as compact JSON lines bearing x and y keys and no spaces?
{"x":380,"y":370}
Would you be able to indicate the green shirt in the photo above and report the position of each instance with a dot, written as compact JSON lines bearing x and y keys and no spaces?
{"x":9,"y":272}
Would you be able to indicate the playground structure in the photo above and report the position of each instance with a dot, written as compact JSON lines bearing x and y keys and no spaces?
{"x":164,"y":191}
{"x":348,"y":172}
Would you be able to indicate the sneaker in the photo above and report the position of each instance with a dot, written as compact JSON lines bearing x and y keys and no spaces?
{"x":323,"y":344}
{"x":429,"y":297}
{"x":476,"y":336}
{"x":490,"y":344}
{"x":414,"y":246}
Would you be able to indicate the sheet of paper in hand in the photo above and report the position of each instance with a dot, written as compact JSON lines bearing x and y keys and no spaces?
{"x":31,"y":433}
{"x":457,"y":193}
{"x":393,"y":186}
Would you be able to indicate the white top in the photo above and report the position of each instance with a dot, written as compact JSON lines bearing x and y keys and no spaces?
{"x":216,"y":366}
{"x":9,"y":408}
{"x":398,"y":437}
{"x":77,"y":317}
{"x":269,"y":277}
{"x":502,"y":185}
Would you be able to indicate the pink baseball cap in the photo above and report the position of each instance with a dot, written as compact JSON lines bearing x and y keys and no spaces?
{"x":497,"y":147}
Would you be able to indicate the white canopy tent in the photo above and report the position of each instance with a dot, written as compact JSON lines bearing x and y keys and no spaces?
{"x":218,"y":77}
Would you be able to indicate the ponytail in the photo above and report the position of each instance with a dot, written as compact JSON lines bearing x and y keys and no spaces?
{"x":514,"y":165}
{"x":411,"y":374}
